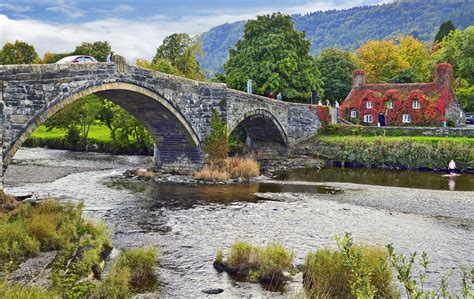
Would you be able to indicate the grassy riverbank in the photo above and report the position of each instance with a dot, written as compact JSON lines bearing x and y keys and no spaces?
{"x":98,"y":140}
{"x":76,"y":250}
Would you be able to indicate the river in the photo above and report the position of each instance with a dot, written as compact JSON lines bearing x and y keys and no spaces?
{"x":189,"y":223}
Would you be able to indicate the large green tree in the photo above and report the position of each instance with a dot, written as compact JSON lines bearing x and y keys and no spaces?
{"x":444,"y":30}
{"x":99,"y":50}
{"x":18,"y":53}
{"x":336,"y":68}
{"x":180,"y":50}
{"x":276,"y":57}
{"x":458,"y":49}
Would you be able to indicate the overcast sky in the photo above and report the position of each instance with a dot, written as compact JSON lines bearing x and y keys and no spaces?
{"x":134,"y":28}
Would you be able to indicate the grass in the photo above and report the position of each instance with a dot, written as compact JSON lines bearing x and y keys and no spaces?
{"x":15,"y":291}
{"x":327,"y":274}
{"x":421,"y":139}
{"x":97,"y":132}
{"x":230,"y":168}
{"x":264,"y":264}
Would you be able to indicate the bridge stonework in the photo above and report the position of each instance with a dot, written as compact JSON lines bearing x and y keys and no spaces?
{"x":176,"y":111}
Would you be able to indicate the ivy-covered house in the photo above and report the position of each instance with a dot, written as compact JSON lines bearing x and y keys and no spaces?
{"x":403,"y":104}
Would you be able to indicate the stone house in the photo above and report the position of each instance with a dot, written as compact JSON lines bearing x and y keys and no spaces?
{"x":403,"y":104}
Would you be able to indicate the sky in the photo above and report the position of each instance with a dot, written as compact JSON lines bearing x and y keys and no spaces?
{"x":135,"y":28}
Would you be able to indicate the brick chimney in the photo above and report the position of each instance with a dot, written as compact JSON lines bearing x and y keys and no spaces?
{"x":358,"y":79}
{"x":443,"y":76}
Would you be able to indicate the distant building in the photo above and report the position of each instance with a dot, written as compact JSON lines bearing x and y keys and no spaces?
{"x":406,"y":104}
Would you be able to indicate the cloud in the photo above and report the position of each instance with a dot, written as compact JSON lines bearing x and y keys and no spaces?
{"x":15,"y":8}
{"x":68,"y":10}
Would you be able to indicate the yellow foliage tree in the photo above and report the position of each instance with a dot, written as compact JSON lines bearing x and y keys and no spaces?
{"x":402,"y":59}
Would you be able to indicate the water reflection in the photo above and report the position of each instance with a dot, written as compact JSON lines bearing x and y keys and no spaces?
{"x":406,"y":179}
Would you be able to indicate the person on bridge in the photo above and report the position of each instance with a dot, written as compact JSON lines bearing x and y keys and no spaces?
{"x":279,"y":96}
{"x":110,"y":57}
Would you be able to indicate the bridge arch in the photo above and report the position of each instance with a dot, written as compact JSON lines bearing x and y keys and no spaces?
{"x":177,"y":144}
{"x":264,"y":132}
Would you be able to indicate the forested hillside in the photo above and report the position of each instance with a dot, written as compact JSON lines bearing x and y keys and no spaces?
{"x":347,"y":29}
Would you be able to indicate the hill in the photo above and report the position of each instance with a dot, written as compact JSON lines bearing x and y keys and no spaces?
{"x":349,"y":28}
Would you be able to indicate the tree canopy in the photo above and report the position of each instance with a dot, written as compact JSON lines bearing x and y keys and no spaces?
{"x":276,"y":57}
{"x":336,"y":68}
{"x":19,"y":52}
{"x":400,"y":60}
{"x":99,"y":50}
{"x":444,"y":30}
{"x":180,"y":50}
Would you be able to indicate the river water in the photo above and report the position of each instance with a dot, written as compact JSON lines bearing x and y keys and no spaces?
{"x":189,"y":223}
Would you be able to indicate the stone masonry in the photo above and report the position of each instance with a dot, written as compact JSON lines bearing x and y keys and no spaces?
{"x":176,"y":111}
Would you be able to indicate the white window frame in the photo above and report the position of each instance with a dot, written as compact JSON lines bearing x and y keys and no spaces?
{"x":353,"y":113}
{"x":368,"y":104}
{"x":368,"y":118}
{"x":415,"y":104}
{"x":406,"y":119}
{"x":390,"y":104}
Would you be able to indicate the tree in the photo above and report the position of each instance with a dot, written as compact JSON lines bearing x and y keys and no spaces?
{"x":99,"y":50}
{"x":276,"y":57}
{"x":444,"y":30}
{"x":180,"y":50}
{"x":160,"y":65}
{"x":336,"y":68}
{"x":50,"y":57}
{"x":400,"y":60}
{"x":458,"y":49}
{"x":18,"y":53}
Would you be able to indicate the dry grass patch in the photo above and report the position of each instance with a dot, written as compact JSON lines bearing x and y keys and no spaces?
{"x":230,"y":168}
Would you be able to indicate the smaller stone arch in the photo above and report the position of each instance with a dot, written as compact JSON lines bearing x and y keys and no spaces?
{"x":264,"y":132}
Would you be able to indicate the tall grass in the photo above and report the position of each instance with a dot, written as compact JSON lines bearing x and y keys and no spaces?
{"x":265,"y":264}
{"x":230,"y":168}
{"x":16,"y":291}
{"x":141,"y":262}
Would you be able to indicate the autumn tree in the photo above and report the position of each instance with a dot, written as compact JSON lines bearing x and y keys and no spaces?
{"x":19,"y":52}
{"x":336,"y":68}
{"x":444,"y":30}
{"x":403,"y":59}
{"x":180,"y":50}
{"x":276,"y":57}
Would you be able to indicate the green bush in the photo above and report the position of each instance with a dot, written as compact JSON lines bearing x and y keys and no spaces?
{"x":115,"y":286}
{"x":328,"y":274}
{"x":264,"y":264}
{"x":15,"y":243}
{"x":141,"y":263}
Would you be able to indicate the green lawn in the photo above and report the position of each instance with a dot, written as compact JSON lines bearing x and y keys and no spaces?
{"x":426,"y":139}
{"x":97,"y":132}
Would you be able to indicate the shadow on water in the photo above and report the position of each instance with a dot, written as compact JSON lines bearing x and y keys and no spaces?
{"x":392,"y":178}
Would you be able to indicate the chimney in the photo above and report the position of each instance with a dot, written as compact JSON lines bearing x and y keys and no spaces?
{"x":358,"y":79}
{"x":443,"y":76}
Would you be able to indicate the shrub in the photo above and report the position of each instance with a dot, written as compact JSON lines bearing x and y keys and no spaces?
{"x":242,"y":168}
{"x":211,"y":173}
{"x":141,"y":263}
{"x":115,"y":286}
{"x":216,"y":143}
{"x":7,"y":202}
{"x":15,"y":243}
{"x":274,"y":260}
{"x":350,"y":272}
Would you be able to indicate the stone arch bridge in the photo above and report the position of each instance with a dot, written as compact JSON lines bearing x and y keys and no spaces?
{"x":176,"y":111}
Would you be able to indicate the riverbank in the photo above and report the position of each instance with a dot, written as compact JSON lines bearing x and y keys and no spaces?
{"x":391,"y":152}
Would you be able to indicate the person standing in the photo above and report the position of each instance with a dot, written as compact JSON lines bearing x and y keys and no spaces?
{"x":452,"y":167}
{"x":279,"y":96}
{"x":110,"y":57}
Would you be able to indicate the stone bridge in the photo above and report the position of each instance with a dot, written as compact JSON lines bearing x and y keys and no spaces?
{"x":176,"y":111}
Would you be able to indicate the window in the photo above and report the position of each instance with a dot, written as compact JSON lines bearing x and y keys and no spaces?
{"x":390,"y":105}
{"x":415,"y":104}
{"x":406,"y":118}
{"x":368,"y":104}
{"x":353,"y":113}
{"x":368,"y":118}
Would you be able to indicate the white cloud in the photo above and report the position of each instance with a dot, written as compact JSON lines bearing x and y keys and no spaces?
{"x":130,"y":38}
{"x":69,"y":11}
{"x":15,"y":8}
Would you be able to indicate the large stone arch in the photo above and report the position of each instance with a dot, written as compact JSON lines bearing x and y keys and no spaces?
{"x":177,"y":144}
{"x":265,"y":133}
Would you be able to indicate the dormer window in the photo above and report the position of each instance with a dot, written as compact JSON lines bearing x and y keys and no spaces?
{"x":368,"y":104}
{"x":415,"y":104}
{"x":353,"y":114}
{"x":390,"y":105}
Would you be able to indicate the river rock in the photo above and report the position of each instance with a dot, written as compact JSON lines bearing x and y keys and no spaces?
{"x":35,"y":271}
{"x":213,"y":291}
